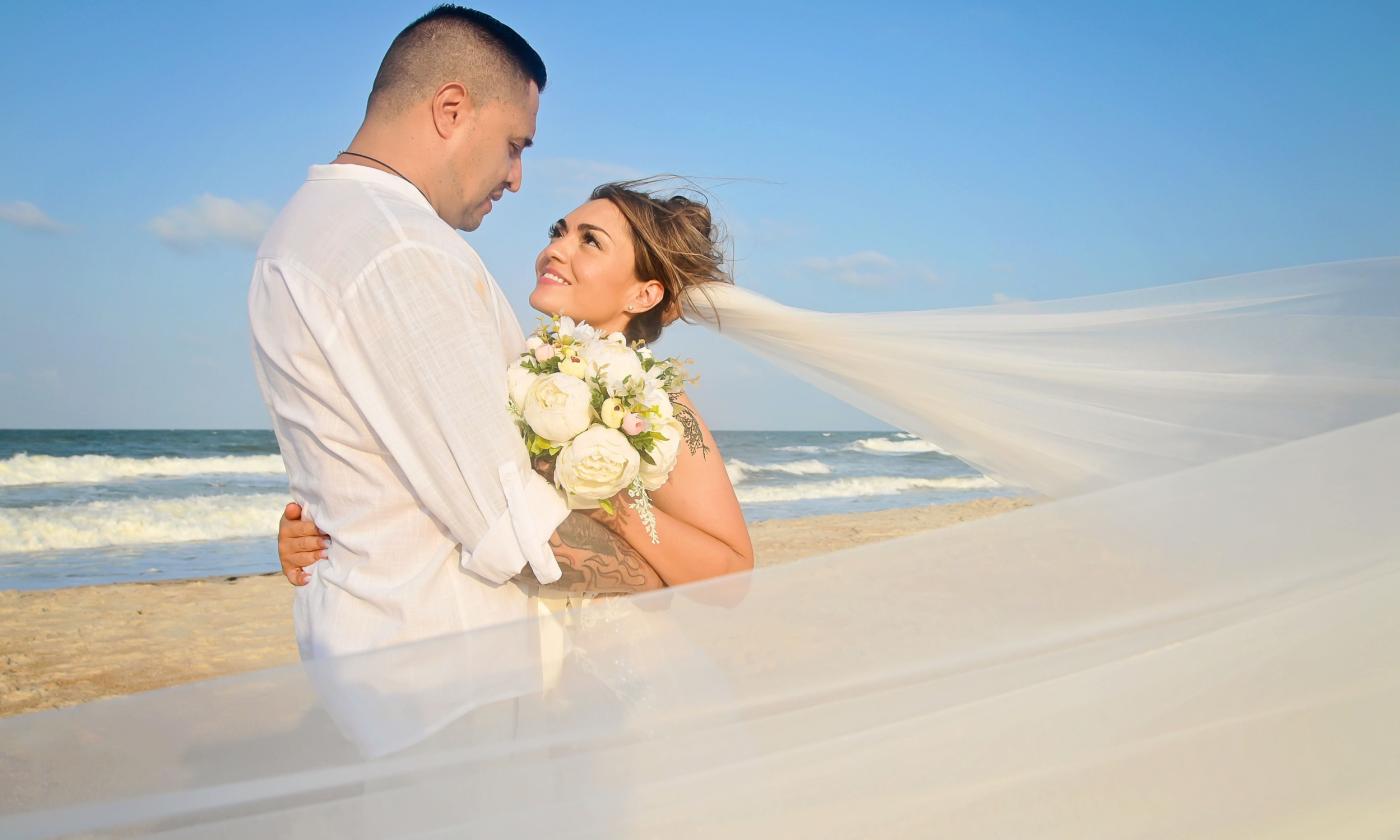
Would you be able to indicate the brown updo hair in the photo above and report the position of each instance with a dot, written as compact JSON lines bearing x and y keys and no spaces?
{"x":677,"y":244}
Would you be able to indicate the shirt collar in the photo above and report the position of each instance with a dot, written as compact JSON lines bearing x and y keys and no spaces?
{"x":366,"y":175}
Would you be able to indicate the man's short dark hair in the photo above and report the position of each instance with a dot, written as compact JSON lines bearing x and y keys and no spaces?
{"x":451,"y":43}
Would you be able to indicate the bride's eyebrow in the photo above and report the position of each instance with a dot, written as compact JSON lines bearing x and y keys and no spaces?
{"x":586,"y":226}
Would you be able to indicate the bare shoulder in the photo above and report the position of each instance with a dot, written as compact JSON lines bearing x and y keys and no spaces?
{"x":698,"y":440}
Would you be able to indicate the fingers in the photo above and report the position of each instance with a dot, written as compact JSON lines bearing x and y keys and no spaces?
{"x":297,"y":528}
{"x":299,"y":544}
{"x":295,"y":575}
{"x":314,"y":547}
{"x":295,"y":555}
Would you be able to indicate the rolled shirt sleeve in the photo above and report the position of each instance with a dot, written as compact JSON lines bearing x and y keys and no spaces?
{"x":416,"y":344}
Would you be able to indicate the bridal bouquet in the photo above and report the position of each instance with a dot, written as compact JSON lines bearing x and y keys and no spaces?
{"x":599,"y":412}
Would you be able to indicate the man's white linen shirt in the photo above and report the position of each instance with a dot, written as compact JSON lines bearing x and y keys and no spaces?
{"x":381,"y":344}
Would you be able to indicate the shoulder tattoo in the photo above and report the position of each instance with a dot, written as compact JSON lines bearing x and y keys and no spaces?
{"x":694,"y":438}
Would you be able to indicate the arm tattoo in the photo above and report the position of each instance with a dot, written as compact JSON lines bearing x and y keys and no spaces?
{"x":694,"y":438}
{"x":594,"y":559}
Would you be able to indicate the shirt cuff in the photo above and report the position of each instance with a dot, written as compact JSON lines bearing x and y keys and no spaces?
{"x":521,"y":534}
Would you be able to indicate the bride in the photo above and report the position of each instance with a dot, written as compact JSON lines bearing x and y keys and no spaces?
{"x":623,"y":262}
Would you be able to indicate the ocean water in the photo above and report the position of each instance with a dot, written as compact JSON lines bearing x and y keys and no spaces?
{"x":83,"y":507}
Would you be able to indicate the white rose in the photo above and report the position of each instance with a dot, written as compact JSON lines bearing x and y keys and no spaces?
{"x":664,"y":453}
{"x":597,"y":464}
{"x":613,"y":362}
{"x":518,"y":382}
{"x":558,"y":407}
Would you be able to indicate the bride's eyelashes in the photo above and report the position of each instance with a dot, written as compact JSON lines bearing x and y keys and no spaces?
{"x":559,"y":228}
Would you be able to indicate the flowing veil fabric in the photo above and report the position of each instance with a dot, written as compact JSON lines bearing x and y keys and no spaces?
{"x":1194,"y":636}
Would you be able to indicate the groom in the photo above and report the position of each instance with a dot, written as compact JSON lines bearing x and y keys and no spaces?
{"x":381,"y":342}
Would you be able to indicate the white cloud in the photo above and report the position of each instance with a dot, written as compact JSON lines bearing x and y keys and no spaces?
{"x":866,"y":269}
{"x":23,"y":214}
{"x":211,"y":220}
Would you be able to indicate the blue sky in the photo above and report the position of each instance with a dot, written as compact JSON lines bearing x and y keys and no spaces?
{"x":891,"y":156}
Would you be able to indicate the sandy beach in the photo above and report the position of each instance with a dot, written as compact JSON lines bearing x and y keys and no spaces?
{"x":68,"y":646}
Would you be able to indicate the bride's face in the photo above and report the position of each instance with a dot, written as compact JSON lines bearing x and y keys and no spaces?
{"x":588,"y":270}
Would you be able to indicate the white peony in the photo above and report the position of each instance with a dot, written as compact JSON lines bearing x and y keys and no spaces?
{"x":558,"y":407}
{"x":518,"y":382}
{"x":658,"y":399}
{"x":598,"y":464}
{"x":664,"y":453}
{"x":613,"y":362}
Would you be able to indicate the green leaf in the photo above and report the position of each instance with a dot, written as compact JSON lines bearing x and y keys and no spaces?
{"x":607,"y":505}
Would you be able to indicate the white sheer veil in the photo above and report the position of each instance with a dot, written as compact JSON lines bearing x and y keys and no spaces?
{"x":1192,"y":636}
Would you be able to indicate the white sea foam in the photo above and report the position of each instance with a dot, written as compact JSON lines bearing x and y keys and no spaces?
{"x":870,"y":486}
{"x":139,"y":522}
{"x":94,"y":469}
{"x":739,"y":470}
{"x":805,"y":449}
{"x":901,"y":445}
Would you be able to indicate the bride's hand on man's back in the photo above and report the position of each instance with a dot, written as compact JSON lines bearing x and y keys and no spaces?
{"x":299,"y":544}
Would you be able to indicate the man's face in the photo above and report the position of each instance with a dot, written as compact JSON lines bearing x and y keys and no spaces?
{"x":487,"y":161}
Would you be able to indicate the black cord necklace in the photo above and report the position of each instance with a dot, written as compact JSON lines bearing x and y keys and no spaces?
{"x":391,"y":169}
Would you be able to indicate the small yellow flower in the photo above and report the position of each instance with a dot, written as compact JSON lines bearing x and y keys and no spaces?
{"x":574,"y":366}
{"x":612,"y":413}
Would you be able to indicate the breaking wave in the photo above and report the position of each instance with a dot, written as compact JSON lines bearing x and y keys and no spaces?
{"x":139,"y":522}
{"x":739,"y":470}
{"x":902,"y":444}
{"x":25,"y":469}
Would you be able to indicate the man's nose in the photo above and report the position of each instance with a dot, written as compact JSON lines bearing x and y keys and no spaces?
{"x":516,"y":177}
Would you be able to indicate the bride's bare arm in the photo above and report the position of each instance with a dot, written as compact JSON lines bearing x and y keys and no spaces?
{"x":698,"y":519}
{"x":592,"y":558}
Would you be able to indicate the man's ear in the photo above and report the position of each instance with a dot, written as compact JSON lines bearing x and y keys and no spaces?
{"x":453,"y":109}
